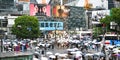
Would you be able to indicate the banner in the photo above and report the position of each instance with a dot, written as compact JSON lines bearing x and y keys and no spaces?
{"x":60,"y":11}
{"x":39,"y":10}
{"x":97,"y":15}
{"x":43,"y":1}
{"x":24,"y":0}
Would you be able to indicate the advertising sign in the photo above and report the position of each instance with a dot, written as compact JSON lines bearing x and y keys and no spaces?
{"x":24,"y":0}
{"x":39,"y":10}
{"x":97,"y":15}
{"x":43,"y":1}
{"x":60,"y":11}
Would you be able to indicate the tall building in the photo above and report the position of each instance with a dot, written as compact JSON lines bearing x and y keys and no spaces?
{"x":6,"y":6}
{"x":111,"y":4}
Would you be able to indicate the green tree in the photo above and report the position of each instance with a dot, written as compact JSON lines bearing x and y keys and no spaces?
{"x":114,"y":17}
{"x":26,"y":27}
{"x":107,"y":21}
{"x":97,"y":31}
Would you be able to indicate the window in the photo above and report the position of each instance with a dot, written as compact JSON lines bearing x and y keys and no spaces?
{"x":42,"y":24}
{"x":55,"y":24}
{"x":46,"y":25}
{"x":51,"y":24}
{"x":59,"y":25}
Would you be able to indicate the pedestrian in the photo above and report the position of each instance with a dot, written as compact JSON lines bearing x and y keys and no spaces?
{"x":56,"y":57}
{"x":52,"y":46}
{"x":42,"y":51}
{"x":74,"y":58}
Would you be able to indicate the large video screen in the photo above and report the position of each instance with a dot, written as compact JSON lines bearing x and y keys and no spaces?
{"x":60,"y":11}
{"x":97,"y":15}
{"x":42,"y":1}
{"x":24,"y":0}
{"x":39,"y":10}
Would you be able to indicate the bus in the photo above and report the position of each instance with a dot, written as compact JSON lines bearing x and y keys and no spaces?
{"x":111,"y":39}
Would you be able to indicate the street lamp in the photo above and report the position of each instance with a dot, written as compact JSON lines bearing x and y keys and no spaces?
{"x":55,"y":31}
{"x":56,"y":26}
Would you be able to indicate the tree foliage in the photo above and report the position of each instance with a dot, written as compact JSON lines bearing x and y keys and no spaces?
{"x":26,"y":27}
{"x":114,"y":17}
{"x":97,"y":31}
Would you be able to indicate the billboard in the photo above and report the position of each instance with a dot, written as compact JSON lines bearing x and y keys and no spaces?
{"x":97,"y":15}
{"x":60,"y":11}
{"x":24,"y":0}
{"x":42,"y":1}
{"x":39,"y":10}
{"x":50,"y":25}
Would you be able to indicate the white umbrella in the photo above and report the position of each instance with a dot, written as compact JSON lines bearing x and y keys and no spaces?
{"x":78,"y":55}
{"x":63,"y":55}
{"x":52,"y":56}
{"x":116,"y":51}
{"x":70,"y":50}
{"x":50,"y":53}
{"x":79,"y":52}
{"x":110,"y":46}
{"x":44,"y":58}
{"x":75,"y":49}
{"x":99,"y":54}
{"x":89,"y":54}
{"x":76,"y":52}
{"x":57,"y":53}
{"x":15,"y":45}
{"x":35,"y":59}
{"x":36,"y":47}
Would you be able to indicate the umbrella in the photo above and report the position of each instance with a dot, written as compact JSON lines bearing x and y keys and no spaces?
{"x":52,"y":56}
{"x":36,"y":47}
{"x":57,"y":53}
{"x":75,"y":49}
{"x":99,"y":54}
{"x":118,"y":55}
{"x":89,"y":54}
{"x":78,"y":55}
{"x":63,"y":55}
{"x":44,"y":58}
{"x":116,"y":51}
{"x":35,"y":59}
{"x":77,"y":52}
{"x":70,"y":50}
{"x":110,"y":46}
{"x":49,"y":53}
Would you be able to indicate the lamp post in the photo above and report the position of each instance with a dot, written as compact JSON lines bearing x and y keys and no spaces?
{"x":55,"y":32}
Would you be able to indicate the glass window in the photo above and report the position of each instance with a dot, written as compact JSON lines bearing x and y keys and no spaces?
{"x":46,"y":24}
{"x":42,"y":24}
{"x":51,"y":24}
{"x":59,"y":25}
{"x":55,"y":24}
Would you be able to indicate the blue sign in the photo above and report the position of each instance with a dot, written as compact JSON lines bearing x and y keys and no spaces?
{"x":51,"y":25}
{"x":114,"y":42}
